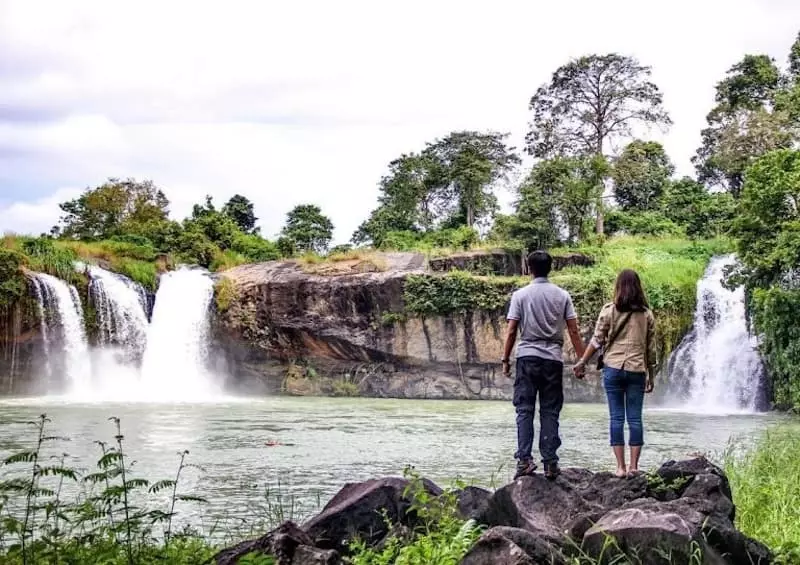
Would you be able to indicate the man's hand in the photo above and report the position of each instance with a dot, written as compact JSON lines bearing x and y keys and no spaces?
{"x":579,"y":369}
{"x":506,"y":368}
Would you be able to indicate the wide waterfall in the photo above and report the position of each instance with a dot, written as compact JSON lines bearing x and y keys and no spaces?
{"x":130,"y":358}
{"x":62,"y":325}
{"x":716,"y":368}
{"x":174,"y":365}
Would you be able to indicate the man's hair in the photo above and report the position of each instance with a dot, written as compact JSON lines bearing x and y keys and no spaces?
{"x":540,"y":263}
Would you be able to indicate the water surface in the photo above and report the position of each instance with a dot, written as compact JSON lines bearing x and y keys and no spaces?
{"x":327,"y":442}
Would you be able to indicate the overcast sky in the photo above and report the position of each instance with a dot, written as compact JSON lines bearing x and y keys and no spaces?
{"x":307,"y":101}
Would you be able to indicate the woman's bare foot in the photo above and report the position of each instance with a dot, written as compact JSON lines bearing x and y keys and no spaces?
{"x":621,"y":473}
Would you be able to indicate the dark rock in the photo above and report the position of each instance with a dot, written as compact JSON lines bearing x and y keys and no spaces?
{"x":649,"y":530}
{"x":305,"y":555}
{"x":472,"y":502}
{"x":280,"y":543}
{"x":535,"y":504}
{"x":365,"y":511}
{"x":494,"y":548}
{"x":609,"y":491}
{"x":681,"y":473}
{"x":679,"y":528}
{"x":712,"y":488}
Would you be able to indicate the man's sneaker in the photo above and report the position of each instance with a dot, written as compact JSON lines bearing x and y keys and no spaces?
{"x":551,"y":470}
{"x":525,"y":468}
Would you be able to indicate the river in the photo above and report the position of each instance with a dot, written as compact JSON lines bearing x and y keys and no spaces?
{"x":327,"y":442}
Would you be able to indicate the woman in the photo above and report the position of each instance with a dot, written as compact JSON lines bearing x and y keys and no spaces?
{"x":626,"y":331}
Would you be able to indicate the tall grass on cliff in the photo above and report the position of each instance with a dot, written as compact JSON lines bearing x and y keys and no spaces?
{"x":766,"y":490}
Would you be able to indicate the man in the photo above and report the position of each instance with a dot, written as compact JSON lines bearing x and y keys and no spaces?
{"x":540,"y":311}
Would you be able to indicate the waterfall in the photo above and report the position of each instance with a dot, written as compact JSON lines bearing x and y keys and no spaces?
{"x":716,"y":368}
{"x":174,"y":364}
{"x":62,"y":315}
{"x":121,"y":307}
{"x":43,"y":299}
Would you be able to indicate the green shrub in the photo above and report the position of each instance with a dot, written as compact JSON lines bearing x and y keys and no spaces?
{"x":455,"y":293}
{"x":766,"y":490}
{"x":12,"y":281}
{"x":641,"y":223}
{"x":225,"y":294}
{"x":774,"y":312}
{"x":142,"y":272}
{"x":441,"y":538}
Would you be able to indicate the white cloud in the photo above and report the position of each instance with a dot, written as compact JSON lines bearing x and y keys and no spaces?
{"x":36,"y":216}
{"x":308,"y":101}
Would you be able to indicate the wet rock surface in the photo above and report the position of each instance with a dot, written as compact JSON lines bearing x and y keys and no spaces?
{"x":536,"y":521}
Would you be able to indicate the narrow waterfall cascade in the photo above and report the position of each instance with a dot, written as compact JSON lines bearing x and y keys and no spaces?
{"x":174,"y":364}
{"x":717,"y":368}
{"x":121,"y":307}
{"x":43,"y":298}
{"x":62,"y":319}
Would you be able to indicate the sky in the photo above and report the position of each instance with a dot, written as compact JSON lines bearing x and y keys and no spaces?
{"x":308,"y":101}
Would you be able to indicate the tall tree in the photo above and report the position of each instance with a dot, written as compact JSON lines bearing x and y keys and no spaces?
{"x":308,"y":229}
{"x":114,"y":208}
{"x":746,"y":122}
{"x":466,"y":166}
{"x":590,"y":104}
{"x":240,"y":209}
{"x":450,"y":182}
{"x":794,"y":59}
{"x":557,"y":200}
{"x":641,"y":174}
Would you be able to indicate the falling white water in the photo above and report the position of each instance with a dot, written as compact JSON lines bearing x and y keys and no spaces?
{"x":43,"y":298}
{"x":121,"y":307}
{"x":717,"y":365}
{"x":174,"y":364}
{"x":62,"y":303}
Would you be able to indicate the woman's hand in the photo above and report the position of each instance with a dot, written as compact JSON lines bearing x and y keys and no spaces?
{"x":650,"y":384}
{"x":579,"y":369}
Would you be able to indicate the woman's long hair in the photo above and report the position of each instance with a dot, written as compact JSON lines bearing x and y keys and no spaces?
{"x":628,"y":292}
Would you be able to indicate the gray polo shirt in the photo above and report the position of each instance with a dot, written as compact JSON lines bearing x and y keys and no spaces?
{"x":542,"y":309}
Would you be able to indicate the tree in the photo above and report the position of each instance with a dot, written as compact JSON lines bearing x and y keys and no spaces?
{"x":308,"y":229}
{"x":592,"y":103}
{"x":794,"y":59}
{"x":465,"y":167}
{"x":240,"y":209}
{"x":767,"y":227}
{"x":747,"y":122}
{"x":114,"y":208}
{"x":641,"y":174}
{"x":448,"y":184}
{"x":558,"y":197}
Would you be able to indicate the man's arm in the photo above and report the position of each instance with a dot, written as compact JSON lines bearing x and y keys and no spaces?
{"x":511,"y":339}
{"x":575,"y":337}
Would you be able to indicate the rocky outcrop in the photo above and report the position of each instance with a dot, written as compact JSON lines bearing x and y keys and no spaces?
{"x":287,"y":328}
{"x":500,"y":262}
{"x":21,"y":351}
{"x":648,"y":520}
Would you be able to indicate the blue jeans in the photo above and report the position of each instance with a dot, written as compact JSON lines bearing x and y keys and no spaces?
{"x":542,"y":378}
{"x":625,"y":392}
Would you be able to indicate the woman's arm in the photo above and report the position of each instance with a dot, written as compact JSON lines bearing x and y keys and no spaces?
{"x":651,"y":354}
{"x":598,"y":339}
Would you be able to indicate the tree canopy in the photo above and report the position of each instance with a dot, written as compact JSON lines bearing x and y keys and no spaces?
{"x":308,"y":229}
{"x":591,"y":103}
{"x":240,"y":210}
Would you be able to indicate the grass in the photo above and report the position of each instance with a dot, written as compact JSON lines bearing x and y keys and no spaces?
{"x":340,"y":263}
{"x":766,"y":490}
{"x":225,"y":294}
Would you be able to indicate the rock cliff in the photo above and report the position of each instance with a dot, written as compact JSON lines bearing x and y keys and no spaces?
{"x":345,"y":329}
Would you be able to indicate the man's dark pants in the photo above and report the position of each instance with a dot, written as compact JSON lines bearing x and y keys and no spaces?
{"x":543,"y":378}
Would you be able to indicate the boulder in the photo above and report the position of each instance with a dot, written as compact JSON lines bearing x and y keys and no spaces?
{"x":472,"y":502}
{"x":365,"y":511}
{"x":679,"y":474}
{"x":305,"y":555}
{"x":537,"y":505}
{"x":712,"y":487}
{"x":281,"y":543}
{"x":500,"y":545}
{"x":680,"y":528}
